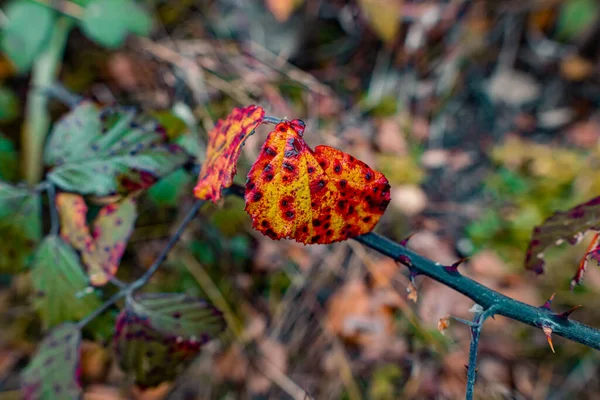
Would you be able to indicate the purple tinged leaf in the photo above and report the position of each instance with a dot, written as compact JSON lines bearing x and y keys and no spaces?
{"x":157,"y":335}
{"x":591,"y":252}
{"x":53,"y":372}
{"x":563,"y":226}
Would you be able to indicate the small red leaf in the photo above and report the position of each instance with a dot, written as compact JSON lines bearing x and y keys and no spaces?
{"x":321,"y":196}
{"x":563,"y":226}
{"x":224,"y":145}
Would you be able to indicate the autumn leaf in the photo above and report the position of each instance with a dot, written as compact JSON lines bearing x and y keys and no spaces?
{"x":102,"y":249}
{"x":158,"y":334}
{"x":592,"y":252}
{"x":53,"y":372}
{"x":319,"y":196}
{"x":569,"y":226}
{"x":224,"y":145}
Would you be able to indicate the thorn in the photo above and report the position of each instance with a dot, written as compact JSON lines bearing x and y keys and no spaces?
{"x":405,"y":260}
{"x":404,"y":242}
{"x":567,"y":314}
{"x":548,"y":332}
{"x":411,"y":289}
{"x":454,"y":267}
{"x":548,"y":304}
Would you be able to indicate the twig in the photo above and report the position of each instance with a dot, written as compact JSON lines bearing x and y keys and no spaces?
{"x":141,"y":281}
{"x":478,"y":321}
{"x":54,"y":220}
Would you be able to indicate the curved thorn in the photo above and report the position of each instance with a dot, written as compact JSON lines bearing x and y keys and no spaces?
{"x":404,"y":241}
{"x":454,"y":267}
{"x":548,"y":332}
{"x":548,"y":304}
{"x":567,"y":314}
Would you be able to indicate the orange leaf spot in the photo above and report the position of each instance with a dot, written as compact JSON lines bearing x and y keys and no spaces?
{"x":224,"y":145}
{"x":443,"y":324}
{"x":321,"y":196}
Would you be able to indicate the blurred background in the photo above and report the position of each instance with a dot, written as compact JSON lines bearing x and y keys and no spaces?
{"x":484,"y":116}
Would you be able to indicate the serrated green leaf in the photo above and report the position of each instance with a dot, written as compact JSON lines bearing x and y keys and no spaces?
{"x":26,"y":32}
{"x":61,"y":285}
{"x":109,"y":151}
{"x":108,"y":22}
{"x":159,"y":334}
{"x":20,"y":220}
{"x":53,"y":371}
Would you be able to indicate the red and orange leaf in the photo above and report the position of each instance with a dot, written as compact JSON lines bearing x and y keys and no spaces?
{"x":321,"y":196}
{"x":224,"y":145}
{"x":101,"y":251}
{"x":72,"y":211}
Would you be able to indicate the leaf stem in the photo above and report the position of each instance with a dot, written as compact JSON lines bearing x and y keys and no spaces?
{"x":37,"y":117}
{"x":54,"y":220}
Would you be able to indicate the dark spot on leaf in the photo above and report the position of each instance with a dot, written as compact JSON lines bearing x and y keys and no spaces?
{"x":289,"y":214}
{"x":311,"y":170}
{"x":330,"y":232}
{"x":369,"y":176}
{"x":315,"y":239}
{"x":327,"y":225}
{"x":257,"y":196}
{"x":269,"y":177}
{"x":338,"y":169}
{"x":366,"y":219}
{"x":343,"y":183}
{"x":288,"y":166}
{"x":264,"y":223}
{"x":270,"y":151}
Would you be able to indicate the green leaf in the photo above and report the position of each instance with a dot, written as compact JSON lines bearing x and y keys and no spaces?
{"x":61,"y":286}
{"x":159,"y":334}
{"x":575,"y":17}
{"x":9,"y":160}
{"x":26,"y":31}
{"x":169,"y":190}
{"x":109,"y":151}
{"x":109,"y":21}
{"x":20,"y":220}
{"x":53,"y":371}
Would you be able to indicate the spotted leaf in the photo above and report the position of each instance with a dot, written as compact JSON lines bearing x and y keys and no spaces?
{"x":61,"y":290}
{"x":107,"y":151}
{"x":569,"y":226}
{"x":319,"y":196}
{"x":159,"y":334}
{"x":53,"y":373}
{"x":102,"y":249}
{"x":224,"y":145}
{"x":21,"y":221}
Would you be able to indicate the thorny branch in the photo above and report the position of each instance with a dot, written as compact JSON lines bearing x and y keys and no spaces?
{"x":492,"y":302}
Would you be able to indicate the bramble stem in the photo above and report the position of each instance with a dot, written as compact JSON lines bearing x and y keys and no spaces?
{"x":37,"y":118}
{"x":475,"y":327}
{"x":484,"y":296}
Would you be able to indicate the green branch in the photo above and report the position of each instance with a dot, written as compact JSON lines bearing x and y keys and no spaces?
{"x":37,"y":117}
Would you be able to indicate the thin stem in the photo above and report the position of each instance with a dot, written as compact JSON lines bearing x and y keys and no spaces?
{"x":476,"y":326}
{"x":37,"y":118}
{"x":138,"y":283}
{"x":172,"y":241}
{"x":271,"y":120}
{"x":54,"y":220}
